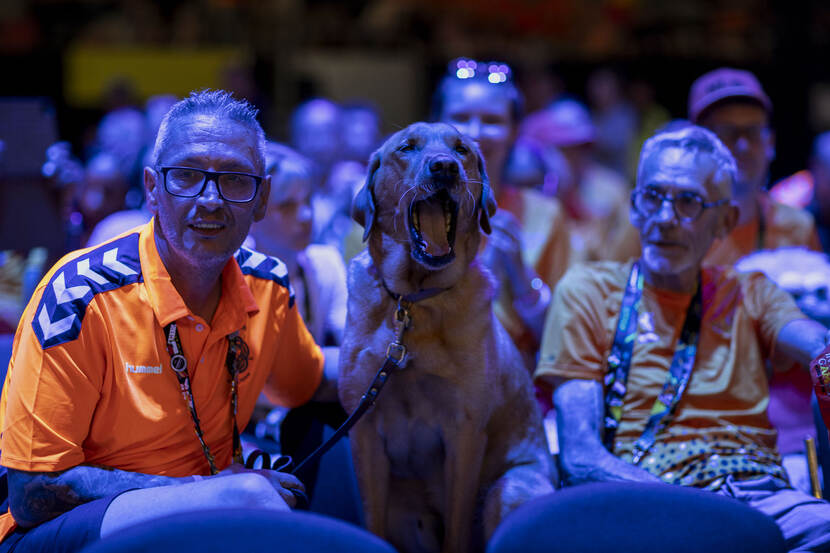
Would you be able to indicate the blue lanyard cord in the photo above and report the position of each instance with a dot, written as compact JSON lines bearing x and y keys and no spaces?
{"x":619,"y":365}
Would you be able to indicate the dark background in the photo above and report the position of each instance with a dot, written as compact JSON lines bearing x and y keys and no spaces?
{"x":392,"y":52}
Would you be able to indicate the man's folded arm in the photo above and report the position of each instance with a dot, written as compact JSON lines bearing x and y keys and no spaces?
{"x":36,"y":497}
{"x":582,"y":457}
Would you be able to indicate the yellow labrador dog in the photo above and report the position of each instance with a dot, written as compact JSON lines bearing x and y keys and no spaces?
{"x":455,"y":441}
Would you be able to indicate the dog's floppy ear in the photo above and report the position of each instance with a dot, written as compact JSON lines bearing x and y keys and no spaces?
{"x":363,"y":205}
{"x":487,"y":203}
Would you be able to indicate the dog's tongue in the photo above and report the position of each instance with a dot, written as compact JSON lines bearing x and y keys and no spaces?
{"x":433,"y":228}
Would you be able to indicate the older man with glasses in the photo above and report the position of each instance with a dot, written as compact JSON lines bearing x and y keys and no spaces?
{"x":658,"y":366}
{"x":138,"y":362}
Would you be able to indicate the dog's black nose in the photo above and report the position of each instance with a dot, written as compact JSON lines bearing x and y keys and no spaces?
{"x":443,"y":166}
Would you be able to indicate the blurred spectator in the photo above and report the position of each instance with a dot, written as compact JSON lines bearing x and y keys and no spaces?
{"x":528,"y":249}
{"x":19,"y":275}
{"x":360,"y":130}
{"x":333,"y":223}
{"x":526,"y":167}
{"x":615,"y":120}
{"x":155,"y":108}
{"x":315,"y":133}
{"x":114,"y":224}
{"x":102,"y":192}
{"x":122,"y":133}
{"x":66,"y":174}
{"x":316,"y":271}
{"x":651,"y":116}
{"x":810,"y":188}
{"x":732,"y":104}
{"x":595,"y":197}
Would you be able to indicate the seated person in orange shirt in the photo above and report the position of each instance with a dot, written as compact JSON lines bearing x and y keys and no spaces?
{"x":124,"y":343}
{"x":595,"y":198}
{"x":732,"y":104}
{"x":528,"y":249}
{"x":658,"y":365}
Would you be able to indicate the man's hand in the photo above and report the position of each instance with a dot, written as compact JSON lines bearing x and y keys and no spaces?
{"x":583,"y":458}
{"x":282,"y":482}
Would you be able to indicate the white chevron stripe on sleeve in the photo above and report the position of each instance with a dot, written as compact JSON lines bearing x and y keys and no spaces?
{"x":280,"y":269}
{"x":84,"y":270}
{"x":255,"y":260}
{"x":51,"y":329}
{"x":111,"y":262}
{"x":64,"y":294}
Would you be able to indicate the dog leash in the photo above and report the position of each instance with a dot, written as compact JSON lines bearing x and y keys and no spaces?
{"x":395,"y":359}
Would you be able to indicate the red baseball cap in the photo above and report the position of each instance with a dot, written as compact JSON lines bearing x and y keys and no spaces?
{"x":720,"y":84}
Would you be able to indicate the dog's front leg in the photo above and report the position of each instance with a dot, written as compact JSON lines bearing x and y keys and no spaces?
{"x":462,"y":472}
{"x":372,"y":467}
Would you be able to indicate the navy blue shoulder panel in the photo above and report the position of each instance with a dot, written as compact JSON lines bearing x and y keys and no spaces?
{"x":62,"y":308}
{"x":260,"y":265}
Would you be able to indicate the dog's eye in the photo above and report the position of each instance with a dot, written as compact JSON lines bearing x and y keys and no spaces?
{"x":406,"y":147}
{"x":462,"y":149}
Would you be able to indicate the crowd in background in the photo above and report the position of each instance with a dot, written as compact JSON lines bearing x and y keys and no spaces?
{"x":562,"y":175}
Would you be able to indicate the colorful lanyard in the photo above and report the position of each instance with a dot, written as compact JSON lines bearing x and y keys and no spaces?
{"x":236,"y":361}
{"x":619,"y":364}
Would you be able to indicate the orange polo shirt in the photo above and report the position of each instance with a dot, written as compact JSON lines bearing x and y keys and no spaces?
{"x":90,"y":381}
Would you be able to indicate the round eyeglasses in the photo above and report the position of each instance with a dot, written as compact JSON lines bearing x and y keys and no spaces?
{"x":687,"y":206}
{"x":189,"y":182}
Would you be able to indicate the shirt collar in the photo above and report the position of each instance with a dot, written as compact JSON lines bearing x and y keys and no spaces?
{"x":235,"y":304}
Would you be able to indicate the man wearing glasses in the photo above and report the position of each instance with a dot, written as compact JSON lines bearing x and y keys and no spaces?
{"x":137,"y":362}
{"x":732,"y":104}
{"x":657,"y":366}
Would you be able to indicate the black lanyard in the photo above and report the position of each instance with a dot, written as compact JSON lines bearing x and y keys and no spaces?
{"x":619,"y":365}
{"x":236,"y":361}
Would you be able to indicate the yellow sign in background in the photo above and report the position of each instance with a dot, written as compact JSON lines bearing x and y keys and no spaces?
{"x":91,"y":71}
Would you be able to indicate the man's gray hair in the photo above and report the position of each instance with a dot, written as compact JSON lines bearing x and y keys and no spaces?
{"x":692,"y":138}
{"x":211,"y":102}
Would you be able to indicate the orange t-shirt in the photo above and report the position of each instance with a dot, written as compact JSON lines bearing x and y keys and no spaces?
{"x":90,"y":381}
{"x":783,"y":226}
{"x":723,"y":411}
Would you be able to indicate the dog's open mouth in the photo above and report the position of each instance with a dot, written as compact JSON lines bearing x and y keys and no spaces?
{"x":432,"y":223}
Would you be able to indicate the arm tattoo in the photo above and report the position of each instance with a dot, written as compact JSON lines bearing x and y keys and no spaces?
{"x":35,"y":497}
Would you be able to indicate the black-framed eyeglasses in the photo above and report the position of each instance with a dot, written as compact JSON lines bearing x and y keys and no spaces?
{"x":190,"y":182}
{"x":687,"y":206}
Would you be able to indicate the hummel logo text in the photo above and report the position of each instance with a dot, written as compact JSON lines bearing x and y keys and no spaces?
{"x":142,"y":369}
